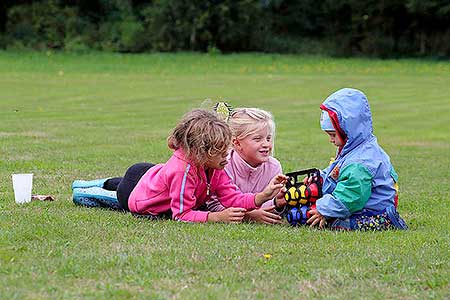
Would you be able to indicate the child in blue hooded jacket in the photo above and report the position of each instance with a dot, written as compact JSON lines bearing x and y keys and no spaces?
{"x":360,"y":186}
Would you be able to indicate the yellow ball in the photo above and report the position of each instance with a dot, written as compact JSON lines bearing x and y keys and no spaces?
{"x":301,"y":191}
{"x":303,"y":201}
{"x":293,"y":203}
{"x":292,"y":196}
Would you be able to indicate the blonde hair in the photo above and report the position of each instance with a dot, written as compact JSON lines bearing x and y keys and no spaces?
{"x":246,"y":121}
{"x":200,"y":134}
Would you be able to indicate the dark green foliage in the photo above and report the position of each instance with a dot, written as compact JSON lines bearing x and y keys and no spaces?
{"x":346,"y":28}
{"x":42,"y":24}
{"x":199,"y":25}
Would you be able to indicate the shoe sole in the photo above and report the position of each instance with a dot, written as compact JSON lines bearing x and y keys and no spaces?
{"x":96,"y":197}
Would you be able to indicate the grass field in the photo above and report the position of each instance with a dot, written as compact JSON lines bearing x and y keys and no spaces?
{"x":67,"y":116}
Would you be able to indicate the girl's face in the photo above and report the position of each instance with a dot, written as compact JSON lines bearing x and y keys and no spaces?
{"x":255,"y":148}
{"x":334,"y":139}
{"x":218,"y":161}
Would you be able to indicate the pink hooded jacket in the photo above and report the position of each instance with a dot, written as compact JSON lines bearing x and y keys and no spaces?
{"x":180,"y":186}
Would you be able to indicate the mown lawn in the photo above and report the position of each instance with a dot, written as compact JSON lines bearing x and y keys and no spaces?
{"x":68,"y":116}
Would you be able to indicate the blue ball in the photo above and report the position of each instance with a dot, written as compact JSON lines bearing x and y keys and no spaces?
{"x":294,"y":216}
{"x":303,"y":210}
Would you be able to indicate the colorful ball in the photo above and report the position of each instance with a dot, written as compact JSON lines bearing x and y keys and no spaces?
{"x":291,"y":196}
{"x":301,"y":191}
{"x":307,"y":192}
{"x":294,"y":216}
{"x":313,"y":191}
{"x":304,"y":211}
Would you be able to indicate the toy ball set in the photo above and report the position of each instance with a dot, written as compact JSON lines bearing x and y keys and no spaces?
{"x":301,"y":197}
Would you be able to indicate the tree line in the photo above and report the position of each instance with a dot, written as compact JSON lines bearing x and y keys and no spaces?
{"x":395,"y":28}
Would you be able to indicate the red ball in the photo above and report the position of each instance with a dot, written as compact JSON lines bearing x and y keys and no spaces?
{"x":313,"y":191}
{"x":307,"y":193}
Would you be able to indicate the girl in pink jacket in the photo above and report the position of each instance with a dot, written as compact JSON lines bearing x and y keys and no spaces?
{"x":251,"y":164}
{"x":181,"y":186}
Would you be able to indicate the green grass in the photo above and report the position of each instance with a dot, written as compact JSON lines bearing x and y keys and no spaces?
{"x":67,"y":116}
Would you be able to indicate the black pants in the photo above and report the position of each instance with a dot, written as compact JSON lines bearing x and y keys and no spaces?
{"x":125,"y":185}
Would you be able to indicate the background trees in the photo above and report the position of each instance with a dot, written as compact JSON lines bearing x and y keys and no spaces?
{"x":346,"y":27}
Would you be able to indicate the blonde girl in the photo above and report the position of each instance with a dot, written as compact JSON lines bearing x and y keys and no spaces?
{"x":251,"y":164}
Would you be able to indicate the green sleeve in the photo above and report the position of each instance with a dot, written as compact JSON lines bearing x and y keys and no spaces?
{"x":354,"y":187}
{"x":394,"y":174}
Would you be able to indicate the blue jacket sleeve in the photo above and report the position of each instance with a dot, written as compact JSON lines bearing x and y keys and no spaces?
{"x":352,"y":191}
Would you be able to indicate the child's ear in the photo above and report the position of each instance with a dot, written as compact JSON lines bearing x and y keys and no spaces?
{"x":236,"y":144}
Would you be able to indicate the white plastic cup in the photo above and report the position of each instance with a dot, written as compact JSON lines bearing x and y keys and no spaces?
{"x":22,"y":184}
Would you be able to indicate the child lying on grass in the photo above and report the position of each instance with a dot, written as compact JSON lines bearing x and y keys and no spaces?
{"x":251,"y":164}
{"x":180,"y":187}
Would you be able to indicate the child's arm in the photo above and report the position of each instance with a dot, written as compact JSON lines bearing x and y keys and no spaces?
{"x":218,"y":213}
{"x":228,"y":215}
{"x":272,"y":189}
{"x":264,"y":215}
{"x":183,"y":200}
{"x":230,"y":196}
{"x":214,"y":204}
{"x":353,"y":189}
{"x":270,"y":211}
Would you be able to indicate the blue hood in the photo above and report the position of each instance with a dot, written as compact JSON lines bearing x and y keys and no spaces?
{"x":350,"y":113}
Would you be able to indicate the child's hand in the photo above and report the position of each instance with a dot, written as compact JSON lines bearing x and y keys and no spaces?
{"x":228,"y":215}
{"x":280,"y":195}
{"x":274,"y":187}
{"x":316,"y":218}
{"x":307,"y":180}
{"x":264,"y":215}
{"x":279,"y":200}
{"x":279,"y":179}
